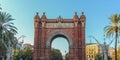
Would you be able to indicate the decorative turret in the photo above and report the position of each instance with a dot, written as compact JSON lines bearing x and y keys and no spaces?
{"x":36,"y":18}
{"x":82,"y":17}
{"x":59,"y":19}
{"x":75,"y":18}
{"x":43,"y":18}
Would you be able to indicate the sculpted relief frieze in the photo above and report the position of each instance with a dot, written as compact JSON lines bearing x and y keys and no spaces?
{"x":59,"y":25}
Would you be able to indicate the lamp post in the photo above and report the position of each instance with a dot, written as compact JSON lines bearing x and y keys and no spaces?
{"x":19,"y":45}
{"x":2,"y":57}
{"x":65,"y":55}
{"x":104,"y":47}
{"x":9,"y":46}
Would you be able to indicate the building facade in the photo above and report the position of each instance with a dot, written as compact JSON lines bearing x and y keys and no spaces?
{"x":110,"y":52}
{"x":92,"y":49}
{"x":118,"y":53}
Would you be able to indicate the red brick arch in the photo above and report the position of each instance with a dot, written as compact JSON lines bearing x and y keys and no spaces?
{"x":48,"y":29}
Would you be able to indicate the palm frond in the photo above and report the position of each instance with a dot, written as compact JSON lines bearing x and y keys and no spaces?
{"x":106,"y":27}
{"x":5,"y":17}
{"x":110,"y":31}
{"x":7,"y":28}
{"x":119,"y":30}
{"x":115,"y":19}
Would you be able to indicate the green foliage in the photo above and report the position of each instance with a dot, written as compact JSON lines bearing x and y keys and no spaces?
{"x":7,"y":28}
{"x":67,"y":56}
{"x":16,"y":54}
{"x":110,"y":30}
{"x":99,"y":57}
{"x":56,"y":54}
{"x":2,"y":50}
{"x":26,"y":53}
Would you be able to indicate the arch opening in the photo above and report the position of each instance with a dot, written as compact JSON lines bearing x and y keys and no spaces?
{"x":55,"y":34}
{"x":59,"y":44}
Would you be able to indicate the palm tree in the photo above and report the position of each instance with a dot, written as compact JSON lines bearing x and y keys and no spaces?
{"x":7,"y":28}
{"x":114,"y":30}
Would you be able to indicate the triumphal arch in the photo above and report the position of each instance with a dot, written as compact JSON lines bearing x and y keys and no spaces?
{"x":46,"y":30}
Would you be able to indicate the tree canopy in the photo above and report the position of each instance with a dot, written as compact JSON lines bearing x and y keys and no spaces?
{"x":56,"y":54}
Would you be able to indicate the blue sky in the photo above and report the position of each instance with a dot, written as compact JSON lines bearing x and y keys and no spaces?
{"x":97,"y":13}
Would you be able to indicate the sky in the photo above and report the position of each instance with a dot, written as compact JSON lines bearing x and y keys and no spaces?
{"x":97,"y":14}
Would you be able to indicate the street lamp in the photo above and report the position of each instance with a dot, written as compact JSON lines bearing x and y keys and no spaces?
{"x":104,"y":47}
{"x":65,"y":55}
